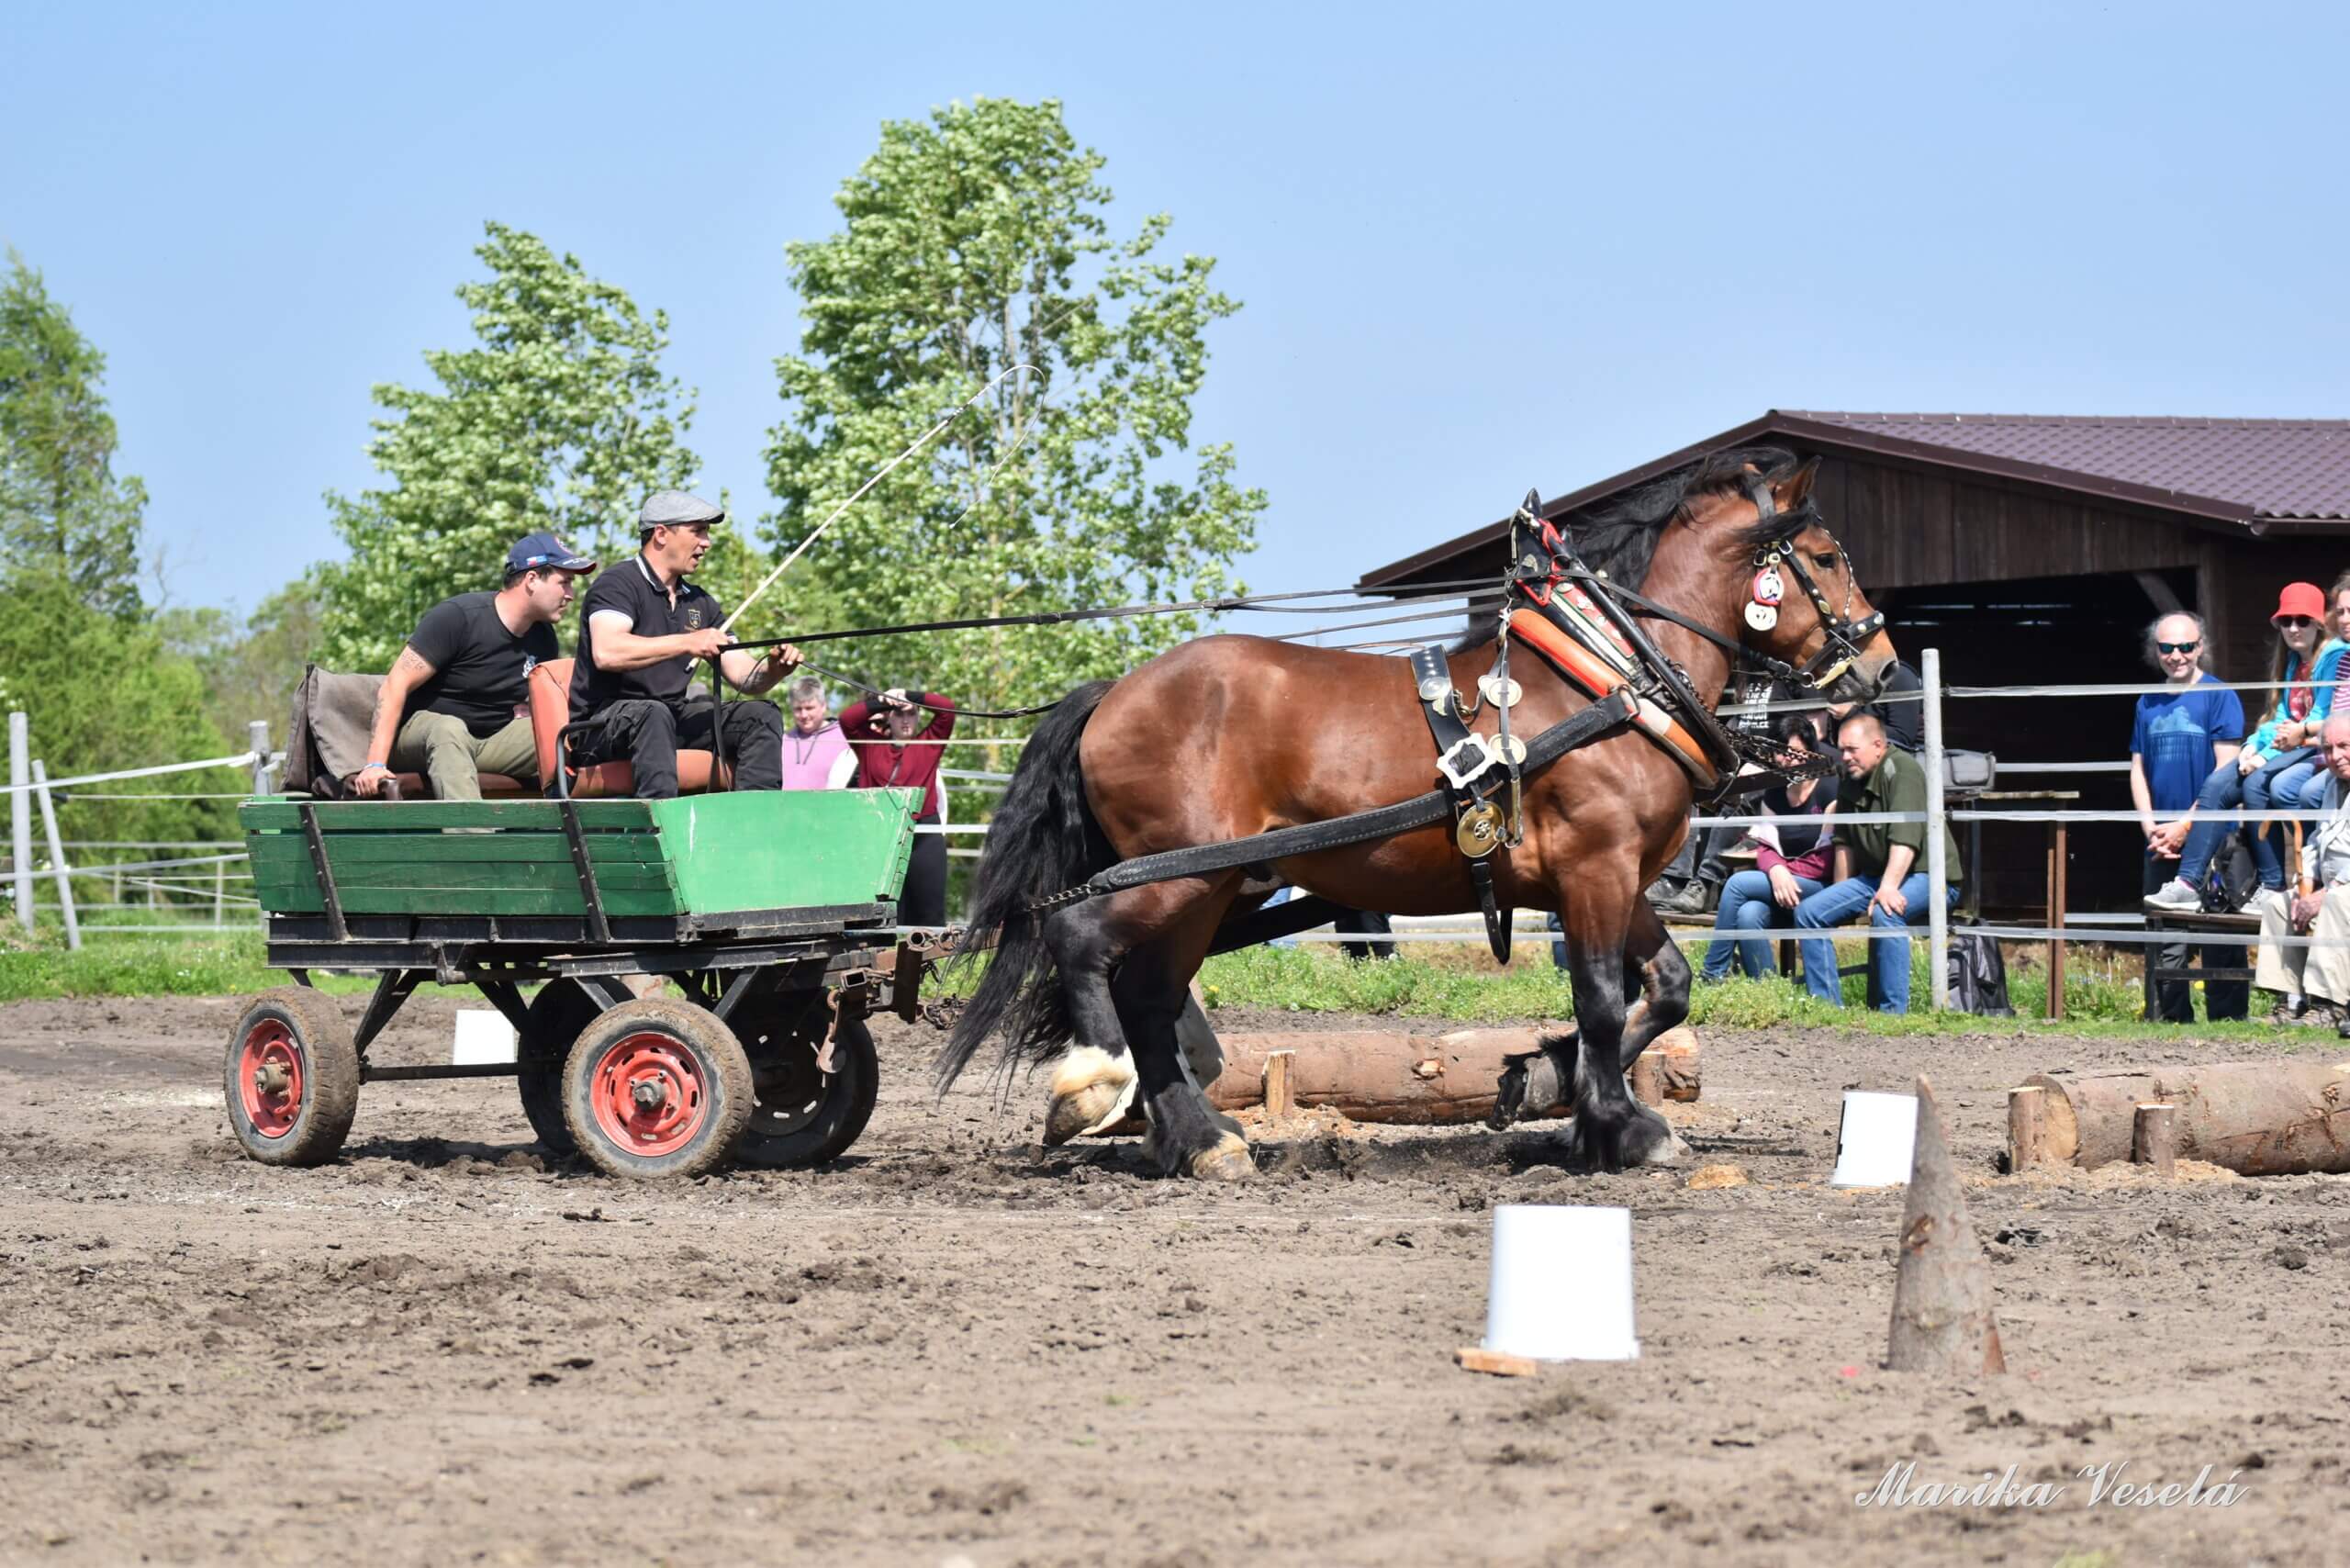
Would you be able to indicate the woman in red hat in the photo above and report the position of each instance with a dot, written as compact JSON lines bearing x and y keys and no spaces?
{"x":2305,"y":672}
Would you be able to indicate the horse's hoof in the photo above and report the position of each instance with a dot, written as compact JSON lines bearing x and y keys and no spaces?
{"x":1641,"y":1138}
{"x":1229,"y":1160}
{"x":1091,"y":1090}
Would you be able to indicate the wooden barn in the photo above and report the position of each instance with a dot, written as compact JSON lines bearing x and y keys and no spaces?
{"x":2036,"y":549}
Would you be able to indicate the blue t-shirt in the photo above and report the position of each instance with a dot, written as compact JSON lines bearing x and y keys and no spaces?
{"x":2175,"y":735}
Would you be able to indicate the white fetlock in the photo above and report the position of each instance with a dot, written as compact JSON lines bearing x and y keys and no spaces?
{"x":1092,"y":1089}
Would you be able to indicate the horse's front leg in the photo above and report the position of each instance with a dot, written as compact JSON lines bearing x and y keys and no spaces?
{"x":1655,"y":965}
{"x":1610,"y":1130}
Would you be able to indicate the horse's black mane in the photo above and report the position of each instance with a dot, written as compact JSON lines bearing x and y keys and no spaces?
{"x":1620,"y":537}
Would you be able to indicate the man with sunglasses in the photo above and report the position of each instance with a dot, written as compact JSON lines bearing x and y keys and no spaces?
{"x":2181,"y":736}
{"x":642,"y":628}
{"x":457,"y":703}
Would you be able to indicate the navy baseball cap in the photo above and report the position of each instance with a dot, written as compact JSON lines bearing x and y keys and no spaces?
{"x":542,"y":551}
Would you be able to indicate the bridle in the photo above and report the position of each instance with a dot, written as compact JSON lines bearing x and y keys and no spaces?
{"x":1843,"y":639}
{"x":1544,"y":558}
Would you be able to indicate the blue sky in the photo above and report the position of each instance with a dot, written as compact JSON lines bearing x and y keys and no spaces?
{"x":1479,"y":249}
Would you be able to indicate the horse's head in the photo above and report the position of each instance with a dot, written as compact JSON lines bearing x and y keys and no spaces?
{"x":1799,"y":596}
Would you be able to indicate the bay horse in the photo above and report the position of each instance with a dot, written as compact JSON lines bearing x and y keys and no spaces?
{"x":1229,"y":736}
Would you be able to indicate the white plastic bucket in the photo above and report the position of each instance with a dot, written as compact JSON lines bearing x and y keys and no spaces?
{"x":1562,"y":1286}
{"x":483,"y":1038}
{"x":1874,"y":1143}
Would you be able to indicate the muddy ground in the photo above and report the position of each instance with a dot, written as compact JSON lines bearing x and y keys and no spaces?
{"x":954,"y":1347}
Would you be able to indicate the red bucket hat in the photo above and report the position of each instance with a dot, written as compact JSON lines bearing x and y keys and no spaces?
{"x":2301,"y":598}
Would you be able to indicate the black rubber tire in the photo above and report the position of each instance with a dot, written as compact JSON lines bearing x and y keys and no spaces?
{"x":329,"y":1090}
{"x":802,"y":1119}
{"x":555,"y":1019}
{"x":722,"y":1070}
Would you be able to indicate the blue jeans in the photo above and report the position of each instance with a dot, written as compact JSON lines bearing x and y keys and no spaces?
{"x":2227,"y":788}
{"x":1888,"y":956}
{"x":1746,"y":905}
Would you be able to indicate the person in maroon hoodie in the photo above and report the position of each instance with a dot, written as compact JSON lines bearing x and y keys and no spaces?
{"x":896,"y":740}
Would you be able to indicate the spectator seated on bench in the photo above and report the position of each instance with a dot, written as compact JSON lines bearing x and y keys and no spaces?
{"x":1874,"y":872}
{"x":1791,"y":862}
{"x":2314,"y":980}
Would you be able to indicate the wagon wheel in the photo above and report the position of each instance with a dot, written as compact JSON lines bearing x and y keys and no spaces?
{"x":561,"y":1010}
{"x":291,"y":1078}
{"x":656,"y":1088}
{"x":805,"y":1117}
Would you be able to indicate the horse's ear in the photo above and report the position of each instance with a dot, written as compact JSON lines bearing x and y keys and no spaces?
{"x":1797,"y":488}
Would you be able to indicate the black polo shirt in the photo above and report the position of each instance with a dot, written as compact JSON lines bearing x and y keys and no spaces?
{"x":481,"y":672}
{"x":632,"y":589}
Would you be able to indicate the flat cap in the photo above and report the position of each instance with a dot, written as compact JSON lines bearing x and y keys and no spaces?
{"x":675,"y":508}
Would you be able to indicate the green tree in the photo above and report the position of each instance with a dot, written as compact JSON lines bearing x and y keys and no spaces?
{"x":250,"y":666}
{"x":975,"y":240}
{"x":558,"y":417}
{"x":64,"y":511}
{"x":99,"y":695}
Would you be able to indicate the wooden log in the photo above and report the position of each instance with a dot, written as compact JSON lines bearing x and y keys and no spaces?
{"x":2028,"y":1130}
{"x":1943,"y":1321}
{"x":2155,"y":1140}
{"x":1424,"y":1079}
{"x":1278,"y":1099}
{"x":2259,"y":1118}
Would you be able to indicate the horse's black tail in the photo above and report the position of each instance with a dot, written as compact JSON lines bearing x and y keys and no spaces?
{"x":1043,"y":838}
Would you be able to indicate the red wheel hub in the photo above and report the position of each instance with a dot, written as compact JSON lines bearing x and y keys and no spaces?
{"x":650,"y":1095}
{"x":269,"y":1078}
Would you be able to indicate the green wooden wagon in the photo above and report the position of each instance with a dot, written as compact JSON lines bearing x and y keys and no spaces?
{"x":773,"y":914}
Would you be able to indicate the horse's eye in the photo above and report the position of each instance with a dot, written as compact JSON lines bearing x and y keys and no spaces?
{"x":1826,"y":563}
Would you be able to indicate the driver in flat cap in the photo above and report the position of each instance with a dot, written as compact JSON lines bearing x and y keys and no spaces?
{"x":642,"y":626}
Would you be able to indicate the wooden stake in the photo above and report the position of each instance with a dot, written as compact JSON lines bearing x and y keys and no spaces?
{"x":1279,"y":1102}
{"x":1647,"y":1076}
{"x":2027,"y":1130}
{"x":1943,"y":1321}
{"x":2154,"y":1139}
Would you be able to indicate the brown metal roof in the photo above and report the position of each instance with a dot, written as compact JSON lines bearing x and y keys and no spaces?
{"x":2245,"y":472}
{"x":2271,"y":468}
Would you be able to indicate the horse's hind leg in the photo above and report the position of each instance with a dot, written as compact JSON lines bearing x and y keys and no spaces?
{"x":1187,"y":1136}
{"x":1126,"y":963}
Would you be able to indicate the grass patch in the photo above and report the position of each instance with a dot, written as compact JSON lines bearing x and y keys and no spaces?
{"x":230,"y":964}
{"x":1458,"y":983}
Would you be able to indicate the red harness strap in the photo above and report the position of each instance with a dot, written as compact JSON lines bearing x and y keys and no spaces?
{"x":1598,"y":678}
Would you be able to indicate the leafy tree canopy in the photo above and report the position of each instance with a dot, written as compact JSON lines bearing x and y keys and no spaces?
{"x":973,"y":241}
{"x":64,"y":511}
{"x":558,"y":417}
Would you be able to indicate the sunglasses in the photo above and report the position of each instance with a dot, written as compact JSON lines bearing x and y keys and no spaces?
{"x":2178,"y":647}
{"x":2294,"y":621}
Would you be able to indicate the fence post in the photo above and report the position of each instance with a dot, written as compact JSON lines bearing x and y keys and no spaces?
{"x":257,"y":736}
{"x":20,"y":818}
{"x":1937,"y":832}
{"x":57,"y":858}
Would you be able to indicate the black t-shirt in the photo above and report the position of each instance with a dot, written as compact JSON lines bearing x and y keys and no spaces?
{"x":631,"y":589}
{"x":481,"y":672}
{"x":1905,"y":722}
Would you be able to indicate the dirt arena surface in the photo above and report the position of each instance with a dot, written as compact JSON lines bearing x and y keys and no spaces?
{"x":953,"y":1347}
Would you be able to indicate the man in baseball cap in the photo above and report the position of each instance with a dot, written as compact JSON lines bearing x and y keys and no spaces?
{"x":456,"y":704}
{"x":642,"y":627}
